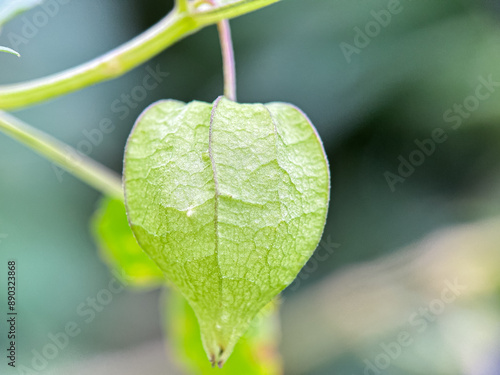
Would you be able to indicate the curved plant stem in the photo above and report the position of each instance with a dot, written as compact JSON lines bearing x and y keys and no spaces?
{"x":175,"y":26}
{"x":111,"y":65}
{"x":9,"y":50}
{"x":226,"y":44}
{"x":83,"y":167}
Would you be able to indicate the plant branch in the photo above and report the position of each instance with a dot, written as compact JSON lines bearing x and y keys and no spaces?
{"x":83,"y":167}
{"x":231,"y":10}
{"x":182,"y":5}
{"x":172,"y":28}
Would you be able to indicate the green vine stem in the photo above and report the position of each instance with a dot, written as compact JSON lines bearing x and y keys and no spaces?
{"x":86,"y":169}
{"x":178,"y":24}
{"x":182,"y":5}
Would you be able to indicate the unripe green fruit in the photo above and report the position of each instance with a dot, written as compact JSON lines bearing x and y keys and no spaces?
{"x":230,"y":201}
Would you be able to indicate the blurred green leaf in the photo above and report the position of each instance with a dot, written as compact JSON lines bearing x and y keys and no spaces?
{"x":11,"y":8}
{"x":255,"y":354}
{"x":9,"y":50}
{"x":118,"y":247}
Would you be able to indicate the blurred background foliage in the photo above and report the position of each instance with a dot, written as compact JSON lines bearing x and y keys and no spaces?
{"x":395,"y":250}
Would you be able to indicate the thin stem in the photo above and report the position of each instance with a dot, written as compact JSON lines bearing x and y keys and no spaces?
{"x":175,"y":26}
{"x":9,"y":50}
{"x":81,"y":166}
{"x":226,"y":44}
{"x":229,"y":66}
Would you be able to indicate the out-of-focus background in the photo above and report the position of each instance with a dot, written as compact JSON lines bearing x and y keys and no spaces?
{"x":406,"y":96}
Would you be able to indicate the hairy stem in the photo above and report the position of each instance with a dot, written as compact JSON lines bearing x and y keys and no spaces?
{"x":175,"y":26}
{"x":86,"y":169}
